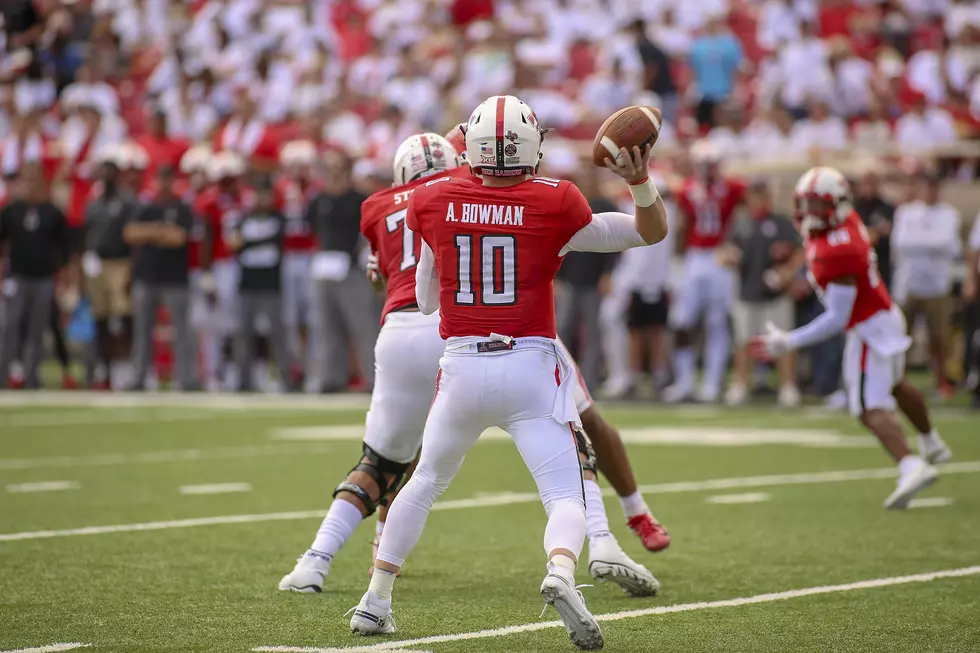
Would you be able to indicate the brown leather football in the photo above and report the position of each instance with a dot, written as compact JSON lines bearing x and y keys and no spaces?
{"x":639,"y":126}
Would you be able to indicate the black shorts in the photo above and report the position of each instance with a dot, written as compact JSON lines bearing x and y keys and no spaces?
{"x":646,"y":314}
{"x":76,"y":240}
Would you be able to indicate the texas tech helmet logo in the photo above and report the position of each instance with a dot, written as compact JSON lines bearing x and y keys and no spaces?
{"x":511,"y":136}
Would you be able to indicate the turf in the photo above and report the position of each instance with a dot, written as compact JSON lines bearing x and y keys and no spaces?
{"x":213,"y":588}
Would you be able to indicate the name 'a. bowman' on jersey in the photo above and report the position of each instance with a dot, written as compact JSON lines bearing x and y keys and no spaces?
{"x":497,"y":250}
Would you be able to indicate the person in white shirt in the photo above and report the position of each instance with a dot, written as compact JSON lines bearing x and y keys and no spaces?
{"x":925,"y":244}
{"x":820,"y":132}
{"x":804,"y":74}
{"x":767,"y":136}
{"x":971,"y":287}
{"x":924,"y":128}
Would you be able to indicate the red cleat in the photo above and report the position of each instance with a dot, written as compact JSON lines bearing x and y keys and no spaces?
{"x":651,"y":532}
{"x":68,"y":382}
{"x":15,"y":383}
{"x":101,"y":385}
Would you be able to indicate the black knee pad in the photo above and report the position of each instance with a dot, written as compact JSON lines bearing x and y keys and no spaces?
{"x":585,"y":450}
{"x":377,"y":467}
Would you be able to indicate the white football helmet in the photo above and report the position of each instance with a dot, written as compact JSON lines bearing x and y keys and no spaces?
{"x":195,"y":160}
{"x":134,"y":156}
{"x":298,"y":153}
{"x":821,"y":199}
{"x":706,"y":156}
{"x":503,"y":138}
{"x":225,"y":165}
{"x":423,"y":155}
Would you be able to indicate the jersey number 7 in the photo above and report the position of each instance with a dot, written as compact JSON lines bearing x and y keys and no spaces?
{"x":394,"y":222}
{"x":497,"y":265}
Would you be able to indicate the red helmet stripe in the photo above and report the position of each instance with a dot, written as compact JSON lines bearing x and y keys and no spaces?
{"x":501,"y":100}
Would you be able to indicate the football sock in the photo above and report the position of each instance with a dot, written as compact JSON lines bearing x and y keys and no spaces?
{"x":684,"y":366}
{"x":596,"y":522}
{"x":633,"y":505}
{"x":381,"y":584}
{"x":561,"y":563}
{"x":716,"y":349}
{"x":931,"y":435}
{"x":565,"y":528}
{"x":909,"y":463}
{"x":341,"y":520}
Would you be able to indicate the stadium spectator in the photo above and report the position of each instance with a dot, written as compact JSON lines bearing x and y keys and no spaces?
{"x":161,"y":148}
{"x":258,"y":245}
{"x":765,"y":250}
{"x":347,"y":308}
{"x":803,"y":75}
{"x":715,"y":59}
{"x":820,"y":132}
{"x":878,"y":216}
{"x":657,"y":74}
{"x":924,"y":127}
{"x":36,"y":235}
{"x":159,"y":236}
{"x":926,"y":244}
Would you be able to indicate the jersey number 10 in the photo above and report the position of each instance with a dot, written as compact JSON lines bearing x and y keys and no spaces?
{"x":497,"y":263}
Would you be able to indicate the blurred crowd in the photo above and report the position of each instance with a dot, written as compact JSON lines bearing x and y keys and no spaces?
{"x":187,"y":113}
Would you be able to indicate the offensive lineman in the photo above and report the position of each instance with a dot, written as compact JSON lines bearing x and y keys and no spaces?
{"x":843,"y":269}
{"x":610,"y":452}
{"x":489,"y":257}
{"x":407,"y":354}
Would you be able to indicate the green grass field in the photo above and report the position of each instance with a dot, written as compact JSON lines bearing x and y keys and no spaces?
{"x":99,"y":545}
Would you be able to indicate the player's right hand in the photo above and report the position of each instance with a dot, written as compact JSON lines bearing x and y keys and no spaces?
{"x":636,"y":166}
{"x":371,"y":268}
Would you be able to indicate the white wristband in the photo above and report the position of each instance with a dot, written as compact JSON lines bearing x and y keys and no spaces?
{"x":644,"y":193}
{"x":207,"y":282}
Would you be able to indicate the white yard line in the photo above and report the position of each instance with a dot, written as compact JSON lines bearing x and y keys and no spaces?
{"x":215,"y":488}
{"x":49,"y":648}
{"x":632,"y":614}
{"x":931,"y":502}
{"x":43,"y":486}
{"x":202,"y":400}
{"x":747,"y":497}
{"x":167,"y":456}
{"x":508,"y":498}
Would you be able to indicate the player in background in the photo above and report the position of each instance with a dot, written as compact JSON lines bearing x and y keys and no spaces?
{"x":221,"y":207}
{"x":488,"y":259}
{"x":194,"y":181}
{"x":843,"y":269}
{"x":610,"y":452}
{"x":407,"y":358}
{"x":295,"y":188}
{"x":707,"y":204}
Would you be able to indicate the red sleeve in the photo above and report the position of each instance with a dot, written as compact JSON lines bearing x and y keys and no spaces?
{"x":684,"y":204}
{"x":412,"y":220}
{"x":368,"y":223}
{"x":575,"y":211}
{"x":839,"y":262}
{"x":738,"y":190}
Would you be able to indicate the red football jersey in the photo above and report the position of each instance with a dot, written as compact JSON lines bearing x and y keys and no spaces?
{"x":847,"y":252}
{"x":709,"y":210}
{"x":292,"y":199}
{"x":397,"y":247}
{"x":497,"y":251}
{"x":222,"y":212}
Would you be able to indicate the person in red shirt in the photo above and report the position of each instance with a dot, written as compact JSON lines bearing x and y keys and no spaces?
{"x":221,"y":207}
{"x":610,"y":453}
{"x":248,"y":135}
{"x":707,"y":204}
{"x":843,"y":270}
{"x":294,"y":190}
{"x":488,"y":261}
{"x":161,"y":149}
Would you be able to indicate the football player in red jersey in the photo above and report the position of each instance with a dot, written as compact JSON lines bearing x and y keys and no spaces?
{"x":488,"y":259}
{"x":407,"y":357}
{"x":610,"y":452}
{"x":221,"y":207}
{"x":707,"y":204}
{"x":294,"y":191}
{"x":843,"y":269}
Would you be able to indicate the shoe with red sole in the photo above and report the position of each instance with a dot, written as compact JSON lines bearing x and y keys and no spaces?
{"x":651,"y":532}
{"x":68,"y":382}
{"x":15,"y":383}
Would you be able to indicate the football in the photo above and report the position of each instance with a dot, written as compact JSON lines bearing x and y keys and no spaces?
{"x":627,"y":127}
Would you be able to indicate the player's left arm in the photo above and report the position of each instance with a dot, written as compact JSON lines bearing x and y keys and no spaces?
{"x":838,"y":300}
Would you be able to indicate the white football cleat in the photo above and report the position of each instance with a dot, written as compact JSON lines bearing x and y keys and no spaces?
{"x":933,"y":449}
{"x":608,"y":561}
{"x":789,"y":396}
{"x":910,"y":483}
{"x":677,"y":393}
{"x":558,"y":590}
{"x":708,"y":395}
{"x":308,"y":574}
{"x":372,"y":616}
{"x":737,"y":394}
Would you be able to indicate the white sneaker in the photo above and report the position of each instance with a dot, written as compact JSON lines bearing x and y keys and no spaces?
{"x":789,"y":396}
{"x":836,"y":400}
{"x":677,"y":393}
{"x":616,"y":387}
{"x":911,"y":482}
{"x":372,"y":616}
{"x":708,"y":395}
{"x":308,"y":574}
{"x":558,"y":590}
{"x":737,"y":394}
{"x":607,"y":561}
{"x":933,"y":449}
